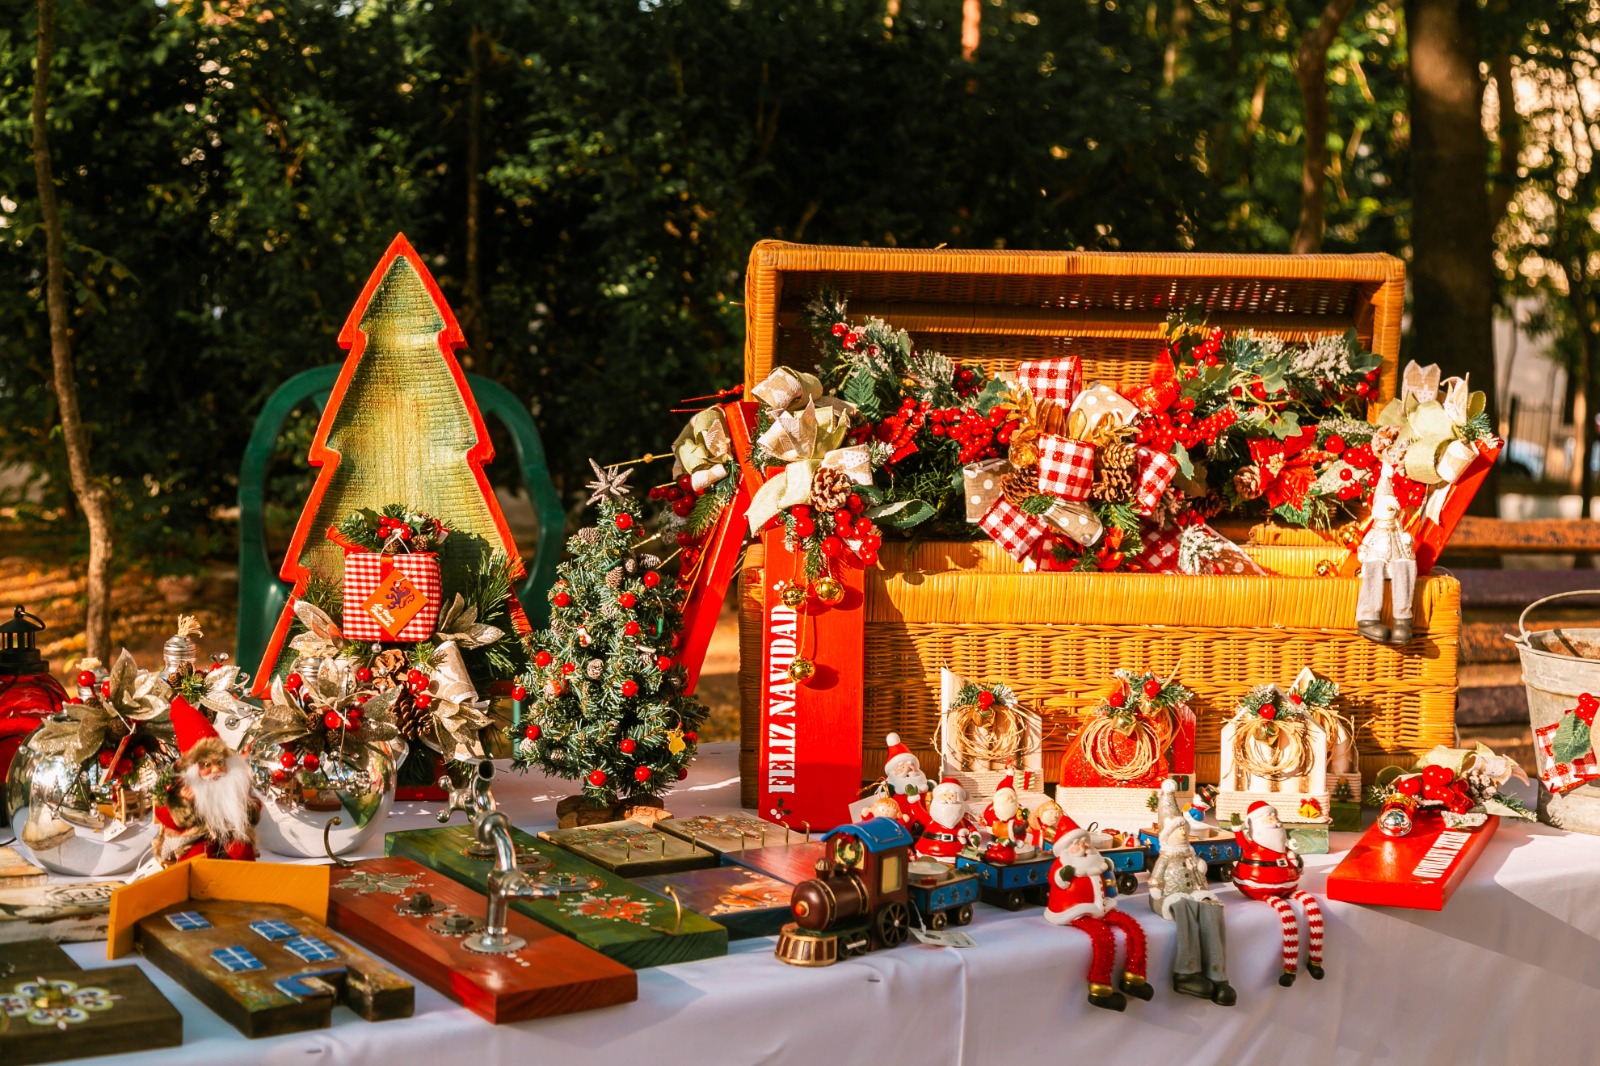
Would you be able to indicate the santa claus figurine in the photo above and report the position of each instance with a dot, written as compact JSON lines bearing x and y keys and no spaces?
{"x":211,"y":811}
{"x":907,"y":784}
{"x":1269,"y":870}
{"x":1078,"y":898}
{"x":949,"y":825}
{"x":1007,"y":824}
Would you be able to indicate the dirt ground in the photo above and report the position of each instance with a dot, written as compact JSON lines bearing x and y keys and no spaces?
{"x":146,"y":612}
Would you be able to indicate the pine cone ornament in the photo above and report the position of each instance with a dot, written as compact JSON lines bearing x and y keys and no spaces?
{"x":389,"y":669}
{"x":1113,"y":472}
{"x":614,"y":578}
{"x":830,"y":489}
{"x":595,"y":668}
{"x":608,"y":610}
{"x":589,"y":535}
{"x":630,"y":565}
{"x":413,"y":722}
{"x":1247,"y":482}
{"x":649,"y":562}
{"x":1020,"y":484}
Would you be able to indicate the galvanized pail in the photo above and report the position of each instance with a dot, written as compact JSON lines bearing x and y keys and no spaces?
{"x":1558,"y":665}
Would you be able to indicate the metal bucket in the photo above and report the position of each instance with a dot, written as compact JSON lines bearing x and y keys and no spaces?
{"x":1559,"y":665}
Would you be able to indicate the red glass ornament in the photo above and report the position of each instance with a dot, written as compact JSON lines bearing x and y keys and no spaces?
{"x":289,"y":761}
{"x":663,"y":663}
{"x":624,"y":520}
{"x":630,"y":687}
{"x":280,"y":777}
{"x":311,"y":762}
{"x":533,"y":732}
{"x":567,"y":668}
{"x":631,"y":629}
{"x":561,"y":599}
{"x":363,"y":674}
{"x":691,"y":736}
{"x":1118,"y":698}
{"x":597,"y":778}
{"x":541,"y":658}
{"x":651,"y":579}
{"x":627,"y":599}
{"x":642,"y":774}
{"x":682,"y":774}
{"x":28,"y":694}
{"x":626,"y":745}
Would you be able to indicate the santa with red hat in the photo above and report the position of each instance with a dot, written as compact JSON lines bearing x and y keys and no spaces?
{"x":211,"y":811}
{"x":949,"y":825}
{"x":1078,"y":898}
{"x":1007,"y":824}
{"x":1268,"y":869}
{"x":906,"y":784}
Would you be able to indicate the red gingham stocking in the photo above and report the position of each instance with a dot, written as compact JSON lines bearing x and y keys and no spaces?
{"x":1313,"y":924}
{"x":1291,"y":933}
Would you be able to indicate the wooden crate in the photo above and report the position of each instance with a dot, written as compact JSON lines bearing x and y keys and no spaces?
{"x":1055,"y":638}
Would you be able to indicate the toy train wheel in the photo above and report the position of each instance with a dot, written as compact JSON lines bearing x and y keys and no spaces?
{"x":1223,"y":871}
{"x":1127,"y":884}
{"x":1012,"y":901}
{"x":964,"y":914}
{"x":894,"y":925}
{"x":938,"y":920}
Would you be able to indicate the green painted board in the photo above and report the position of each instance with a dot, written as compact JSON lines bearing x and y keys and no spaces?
{"x":105,"y":1011}
{"x":605,"y":913}
{"x":632,"y":849}
{"x":746,"y":902}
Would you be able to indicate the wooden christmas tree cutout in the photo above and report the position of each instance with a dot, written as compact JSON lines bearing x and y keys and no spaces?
{"x":400,"y":426}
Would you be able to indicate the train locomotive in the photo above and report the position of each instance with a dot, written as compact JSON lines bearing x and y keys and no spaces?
{"x":858,"y":902}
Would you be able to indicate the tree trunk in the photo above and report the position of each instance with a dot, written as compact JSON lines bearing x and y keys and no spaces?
{"x":92,"y":495}
{"x":1177,"y":37}
{"x":1453,"y":286}
{"x":1508,"y":139}
{"x":476,"y":325}
{"x":1311,"y":70}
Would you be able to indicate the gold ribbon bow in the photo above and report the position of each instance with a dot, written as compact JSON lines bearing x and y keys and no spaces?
{"x":458,"y":713}
{"x":704,"y":449}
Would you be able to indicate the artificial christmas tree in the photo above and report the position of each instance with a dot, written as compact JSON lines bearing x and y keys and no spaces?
{"x":604,"y":696}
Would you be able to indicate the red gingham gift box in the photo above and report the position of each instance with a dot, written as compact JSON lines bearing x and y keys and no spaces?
{"x":1066,"y":467}
{"x":366,"y":571}
{"x":1155,"y":472}
{"x":1160,"y":555}
{"x":1562,"y":776}
{"x":1012,"y":528}
{"x":1052,"y":379}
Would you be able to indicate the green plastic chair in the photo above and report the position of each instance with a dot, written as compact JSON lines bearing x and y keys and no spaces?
{"x":262,"y":594}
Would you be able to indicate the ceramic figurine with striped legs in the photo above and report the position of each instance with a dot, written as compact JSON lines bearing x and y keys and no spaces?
{"x":1078,"y":898}
{"x":1269,"y":870}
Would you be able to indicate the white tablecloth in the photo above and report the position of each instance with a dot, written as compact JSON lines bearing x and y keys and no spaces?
{"x":1511,"y":965}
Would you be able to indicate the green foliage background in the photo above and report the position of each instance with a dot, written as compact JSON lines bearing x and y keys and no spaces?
{"x":231,"y":171}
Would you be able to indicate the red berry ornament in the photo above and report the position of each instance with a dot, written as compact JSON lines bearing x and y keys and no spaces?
{"x":533,"y":732}
{"x":1152,"y":689}
{"x":423,"y":701}
{"x":561,"y":599}
{"x":597,"y":778}
{"x":630,"y":687}
{"x":332,"y":720}
{"x":106,"y":757}
{"x":1410,"y":785}
{"x":86,"y":679}
{"x":541,"y":659}
{"x":293,"y":682}
{"x":311,"y":762}
{"x":627,"y":600}
{"x":642,"y":774}
{"x":651,"y":579}
{"x":832,"y":547}
{"x":288,"y":761}
{"x":352,"y":718}
{"x":363,"y":673}
{"x":1268,"y":711}
{"x":691,"y":736}
{"x":280,"y":777}
{"x":519,"y":693}
{"x":626,"y":745}
{"x":105,"y":690}
{"x":1118,"y":698}
{"x":624,"y":520}
{"x":631,"y":629}
{"x":663,"y":663}
{"x":986,"y":700}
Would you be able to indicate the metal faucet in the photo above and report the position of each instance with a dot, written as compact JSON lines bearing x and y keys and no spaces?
{"x":472,"y":798}
{"x":506,"y":882}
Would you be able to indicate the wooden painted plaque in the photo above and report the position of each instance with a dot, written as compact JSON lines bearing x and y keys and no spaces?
{"x":17,"y":872}
{"x":267,"y":968}
{"x":789,"y":863}
{"x":725,"y":831}
{"x":745,"y":902}
{"x":632,"y":849}
{"x":89,"y":1012}
{"x":595,"y":907}
{"x":1419,"y":870}
{"x":66,"y":912}
{"x":374,"y":902}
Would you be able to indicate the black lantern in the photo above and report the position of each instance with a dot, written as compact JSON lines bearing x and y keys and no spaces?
{"x":19,"y":648}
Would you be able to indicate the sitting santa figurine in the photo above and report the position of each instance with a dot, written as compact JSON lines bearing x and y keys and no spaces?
{"x":211,"y":811}
{"x":1007,"y":824}
{"x":949,"y":825}
{"x":1078,"y":898}
{"x":907,"y":784}
{"x":1269,"y":870}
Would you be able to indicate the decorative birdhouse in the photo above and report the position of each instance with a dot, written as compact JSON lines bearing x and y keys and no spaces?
{"x":28,"y":694}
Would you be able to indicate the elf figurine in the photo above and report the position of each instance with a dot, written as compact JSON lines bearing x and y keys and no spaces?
{"x":949,"y":826}
{"x":1180,"y":894}
{"x":1046,"y":822}
{"x":907,"y":784}
{"x":211,"y":811}
{"x":1078,"y":898}
{"x":1269,"y":870}
{"x":1007,"y":824}
{"x":1386,"y":553}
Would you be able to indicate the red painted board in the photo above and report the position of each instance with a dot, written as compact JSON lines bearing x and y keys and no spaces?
{"x":1431,"y":537}
{"x":721,"y":551}
{"x":810,"y":754}
{"x":552,"y":975}
{"x":1419,"y":871}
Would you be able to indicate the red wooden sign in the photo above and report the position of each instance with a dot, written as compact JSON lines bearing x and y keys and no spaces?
{"x":1419,"y":870}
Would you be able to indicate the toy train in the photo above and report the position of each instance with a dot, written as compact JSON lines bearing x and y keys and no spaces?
{"x":858,"y":902}
{"x":1217,"y":848}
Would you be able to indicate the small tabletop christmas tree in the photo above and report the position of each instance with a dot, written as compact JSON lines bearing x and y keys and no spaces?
{"x":604,"y":697}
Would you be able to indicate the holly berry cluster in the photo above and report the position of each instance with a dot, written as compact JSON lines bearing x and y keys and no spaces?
{"x":841,"y":534}
{"x":118,"y":769}
{"x":980,"y":436}
{"x":1435,"y":786}
{"x":394,"y":528}
{"x":681,"y":495}
{"x":1142,"y":692}
{"x":1271,"y":703}
{"x":326,"y":725}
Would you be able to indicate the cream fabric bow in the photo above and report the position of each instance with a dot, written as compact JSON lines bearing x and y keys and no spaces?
{"x":458,"y":713}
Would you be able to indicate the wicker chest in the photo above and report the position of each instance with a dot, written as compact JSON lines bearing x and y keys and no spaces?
{"x":1056,"y":637}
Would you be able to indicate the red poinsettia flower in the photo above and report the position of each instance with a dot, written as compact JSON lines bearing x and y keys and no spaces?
{"x":1288,"y":467}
